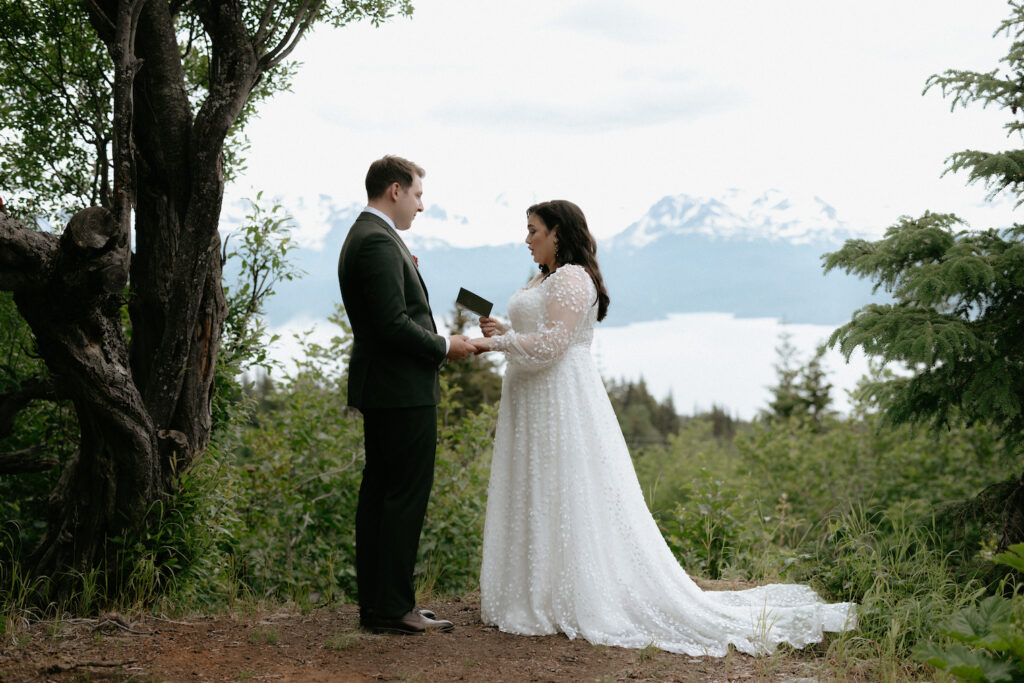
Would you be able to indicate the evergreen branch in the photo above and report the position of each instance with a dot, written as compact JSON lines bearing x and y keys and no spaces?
{"x":917,"y":335}
{"x":962,"y":277}
{"x":998,"y":171}
{"x":909,"y":242}
{"x":967,"y":87}
{"x":1010,"y":24}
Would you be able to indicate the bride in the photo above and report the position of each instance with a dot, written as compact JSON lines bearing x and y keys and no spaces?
{"x":569,"y":544}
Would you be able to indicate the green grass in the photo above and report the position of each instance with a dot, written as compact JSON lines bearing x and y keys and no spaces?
{"x":266,"y":636}
{"x":342,"y":641}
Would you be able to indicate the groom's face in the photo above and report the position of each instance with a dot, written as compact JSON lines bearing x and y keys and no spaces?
{"x":408,"y":203}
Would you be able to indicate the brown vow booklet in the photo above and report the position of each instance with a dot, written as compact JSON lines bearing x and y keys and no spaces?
{"x":474,"y":303}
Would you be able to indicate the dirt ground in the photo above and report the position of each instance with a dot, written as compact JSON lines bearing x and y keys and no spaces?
{"x":327,"y":645}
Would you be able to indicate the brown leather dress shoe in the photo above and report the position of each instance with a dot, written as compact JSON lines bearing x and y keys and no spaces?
{"x":442,"y":625}
{"x":365,"y":618}
{"x":409,"y":624}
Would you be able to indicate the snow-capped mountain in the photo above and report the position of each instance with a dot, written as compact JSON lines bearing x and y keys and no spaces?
{"x":752,"y":255}
{"x":737,"y":215}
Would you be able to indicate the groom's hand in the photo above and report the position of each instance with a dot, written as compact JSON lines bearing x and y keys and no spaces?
{"x":459,"y":347}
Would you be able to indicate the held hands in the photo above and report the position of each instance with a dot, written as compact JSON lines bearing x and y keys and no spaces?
{"x":490,"y":327}
{"x":459,"y":347}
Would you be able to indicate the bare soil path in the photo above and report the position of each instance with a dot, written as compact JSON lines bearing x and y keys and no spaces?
{"x":327,"y":645}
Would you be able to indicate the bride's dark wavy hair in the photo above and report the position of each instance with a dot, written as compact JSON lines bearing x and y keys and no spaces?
{"x":575,"y":243}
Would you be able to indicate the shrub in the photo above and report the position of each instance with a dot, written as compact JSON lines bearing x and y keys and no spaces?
{"x":984,"y":642}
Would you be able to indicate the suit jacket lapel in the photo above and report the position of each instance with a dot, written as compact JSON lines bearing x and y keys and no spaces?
{"x":393,"y":234}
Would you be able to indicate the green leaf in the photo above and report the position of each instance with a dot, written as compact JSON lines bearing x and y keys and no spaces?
{"x":966,"y":664}
{"x":974,"y":625}
{"x":1013,"y":557}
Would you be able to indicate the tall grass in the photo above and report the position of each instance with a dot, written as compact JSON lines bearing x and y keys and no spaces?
{"x":892,"y":563}
{"x":855,"y":509}
{"x":17,"y":608}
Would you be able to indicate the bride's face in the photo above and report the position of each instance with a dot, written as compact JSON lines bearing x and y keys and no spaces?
{"x":541,"y":241}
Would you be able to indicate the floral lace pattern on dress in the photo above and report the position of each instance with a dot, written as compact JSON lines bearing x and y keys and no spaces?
{"x":569,"y":544}
{"x":549,"y":317}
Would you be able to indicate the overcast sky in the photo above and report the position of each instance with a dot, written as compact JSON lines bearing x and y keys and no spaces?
{"x":616,"y":104}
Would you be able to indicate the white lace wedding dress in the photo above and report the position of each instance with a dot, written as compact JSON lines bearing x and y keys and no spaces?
{"x":569,"y":544}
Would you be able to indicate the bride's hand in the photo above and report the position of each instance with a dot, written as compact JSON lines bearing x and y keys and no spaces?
{"x":491,"y":327}
{"x":482,"y":344}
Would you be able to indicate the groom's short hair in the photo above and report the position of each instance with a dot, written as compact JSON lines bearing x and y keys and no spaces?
{"x":390,"y":169}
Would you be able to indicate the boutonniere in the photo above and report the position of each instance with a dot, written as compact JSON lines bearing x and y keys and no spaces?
{"x":415,"y":260}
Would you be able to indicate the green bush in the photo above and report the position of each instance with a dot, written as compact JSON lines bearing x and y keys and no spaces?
{"x":859,"y":511}
{"x":452,"y":540}
{"x":984,"y":642}
{"x":705,"y":527}
{"x":49,"y":426}
{"x":299,"y":467}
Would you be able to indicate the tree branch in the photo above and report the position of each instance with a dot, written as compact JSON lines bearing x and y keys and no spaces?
{"x":26,"y":460}
{"x":122,"y":52}
{"x":161,"y":114}
{"x":93,"y":258}
{"x":12,"y":402}
{"x":102,"y":14}
{"x":300,"y":24}
{"x":264,"y":29}
{"x":90,"y":258}
{"x":234,"y":69}
{"x":26,"y":255}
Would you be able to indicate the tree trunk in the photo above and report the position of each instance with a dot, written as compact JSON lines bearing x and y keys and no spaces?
{"x":176,"y":331}
{"x":144,"y":410}
{"x":74,"y":311}
{"x":177,"y":303}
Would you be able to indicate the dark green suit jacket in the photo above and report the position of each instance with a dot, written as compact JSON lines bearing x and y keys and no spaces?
{"x":396,"y":350}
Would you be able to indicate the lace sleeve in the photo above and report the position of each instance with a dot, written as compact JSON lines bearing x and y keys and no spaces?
{"x":568,"y":297}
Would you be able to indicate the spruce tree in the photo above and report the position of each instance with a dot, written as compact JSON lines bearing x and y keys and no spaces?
{"x":956,"y":316}
{"x":785,"y":401}
{"x":803,"y":392}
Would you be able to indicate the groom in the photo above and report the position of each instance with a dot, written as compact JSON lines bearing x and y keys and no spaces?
{"x":393,"y":381}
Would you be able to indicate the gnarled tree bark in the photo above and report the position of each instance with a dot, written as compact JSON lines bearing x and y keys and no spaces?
{"x":69,"y":291}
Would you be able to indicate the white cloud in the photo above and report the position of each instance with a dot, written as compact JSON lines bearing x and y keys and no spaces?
{"x":617,"y":21}
{"x":536,"y":100}
{"x":604,"y":106}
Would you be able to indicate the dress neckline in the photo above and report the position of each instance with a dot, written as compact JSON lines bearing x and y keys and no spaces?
{"x":536,"y":282}
{"x":540,"y":279}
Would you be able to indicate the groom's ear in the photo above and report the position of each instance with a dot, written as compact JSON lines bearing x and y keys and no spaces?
{"x":393,"y":191}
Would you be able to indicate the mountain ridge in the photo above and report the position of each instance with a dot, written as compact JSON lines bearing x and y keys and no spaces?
{"x":752,"y":255}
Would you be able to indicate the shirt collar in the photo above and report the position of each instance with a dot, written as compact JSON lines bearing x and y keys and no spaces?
{"x":381,"y":214}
